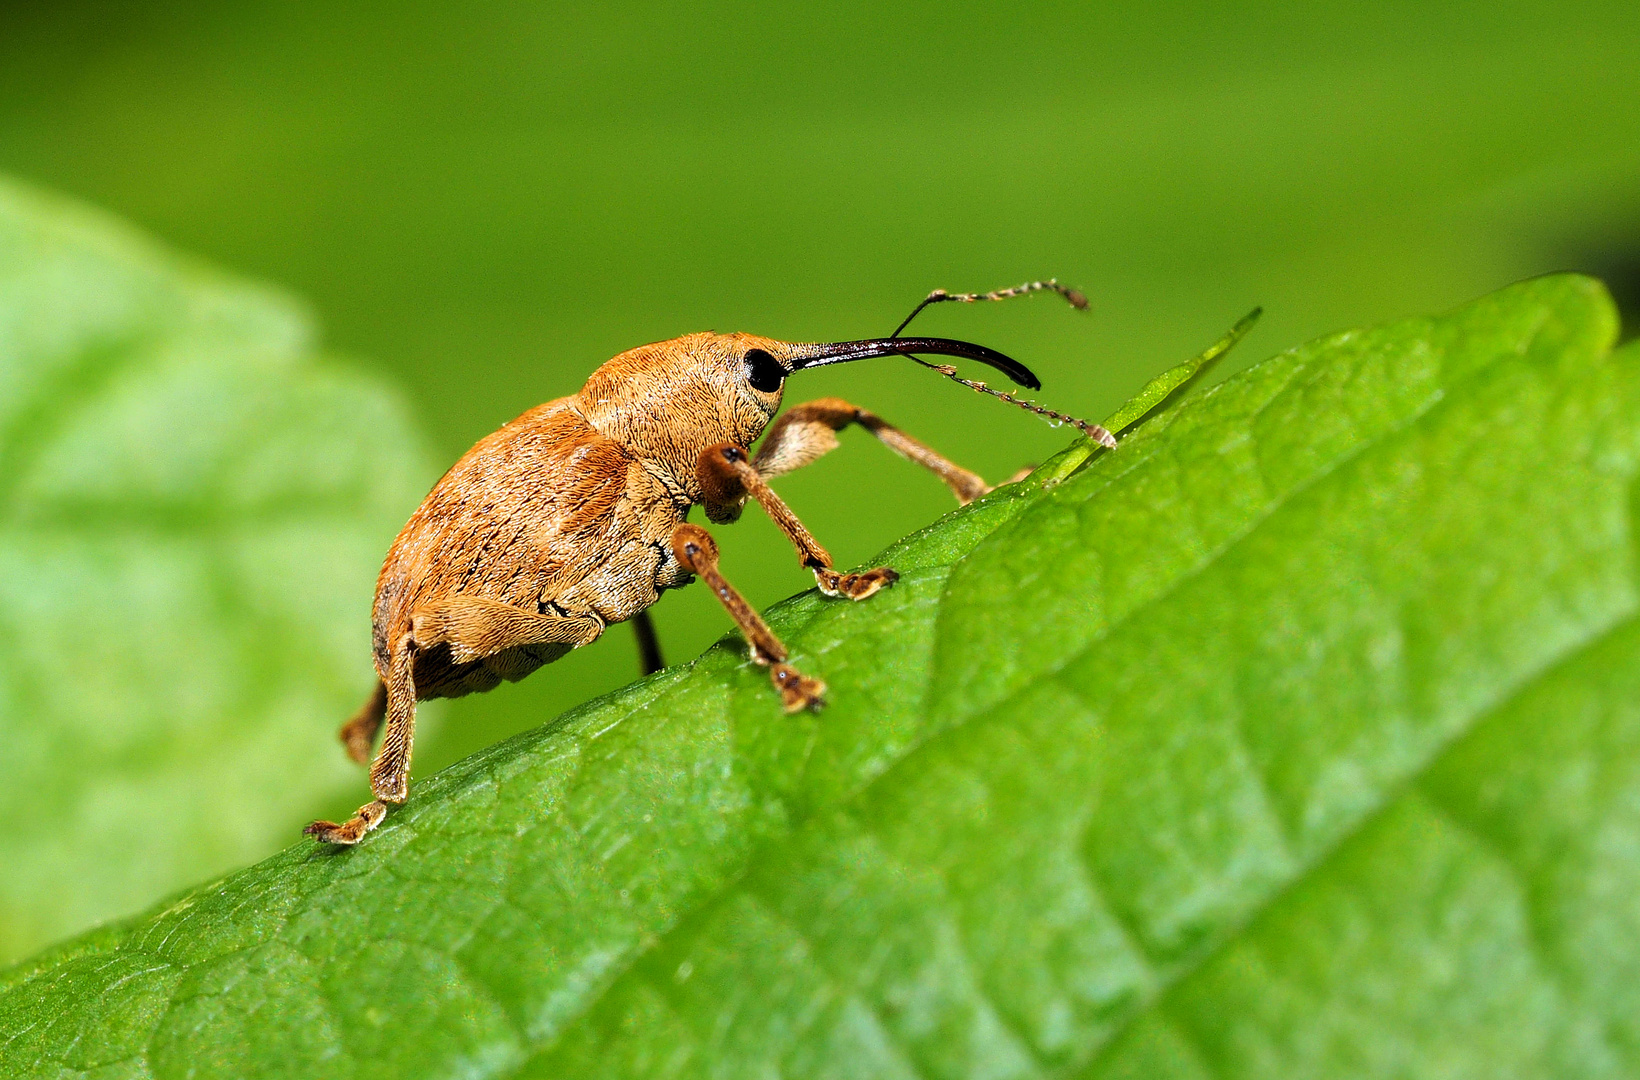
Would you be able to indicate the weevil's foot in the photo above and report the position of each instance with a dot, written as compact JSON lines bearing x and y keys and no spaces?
{"x":855,"y":586}
{"x":797,"y":690}
{"x":353,"y":829}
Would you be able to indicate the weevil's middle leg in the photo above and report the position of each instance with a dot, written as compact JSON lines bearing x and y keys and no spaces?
{"x":649,"y":643}
{"x":698,"y":553}
{"x":359,"y":733}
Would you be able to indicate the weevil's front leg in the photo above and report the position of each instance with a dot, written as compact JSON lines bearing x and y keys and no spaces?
{"x":698,"y":553}
{"x":809,"y":431}
{"x":474,"y":628}
{"x":727,"y":477}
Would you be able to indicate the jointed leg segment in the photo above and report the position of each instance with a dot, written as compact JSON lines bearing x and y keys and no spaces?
{"x":474,"y":628}
{"x":798,"y":438}
{"x":697,"y":551}
{"x":390,"y":775}
{"x":728,"y":476}
{"x":809,"y":431}
{"x":359,"y":733}
{"x":649,"y":643}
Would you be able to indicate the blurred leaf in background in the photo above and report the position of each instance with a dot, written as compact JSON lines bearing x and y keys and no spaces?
{"x":489,"y":200}
{"x":192,"y":509}
{"x":1299,"y":736}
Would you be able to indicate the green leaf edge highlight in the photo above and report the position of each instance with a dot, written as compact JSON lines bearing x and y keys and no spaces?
{"x":1148,"y":400}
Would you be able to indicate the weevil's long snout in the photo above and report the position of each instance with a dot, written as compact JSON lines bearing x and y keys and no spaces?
{"x":841,"y":352}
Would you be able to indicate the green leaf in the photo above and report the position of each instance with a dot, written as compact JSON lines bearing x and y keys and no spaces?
{"x":191,"y":512}
{"x":1299,"y":736}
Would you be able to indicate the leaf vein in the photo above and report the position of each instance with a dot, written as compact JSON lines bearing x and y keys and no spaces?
{"x":1324,"y":856}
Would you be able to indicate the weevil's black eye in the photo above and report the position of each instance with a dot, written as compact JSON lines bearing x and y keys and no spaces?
{"x":764,"y":371}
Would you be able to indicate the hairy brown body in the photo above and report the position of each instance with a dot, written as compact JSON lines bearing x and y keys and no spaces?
{"x":572,"y":517}
{"x":525,"y":519}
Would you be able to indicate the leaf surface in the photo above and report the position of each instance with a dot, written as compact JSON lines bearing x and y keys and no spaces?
{"x":191,"y":511}
{"x":1298,"y":736}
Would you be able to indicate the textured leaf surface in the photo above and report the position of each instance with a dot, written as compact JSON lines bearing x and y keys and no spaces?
{"x":1298,"y":736}
{"x":191,"y":512}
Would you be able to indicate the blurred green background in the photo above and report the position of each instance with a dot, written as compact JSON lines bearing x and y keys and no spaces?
{"x":485,"y":202}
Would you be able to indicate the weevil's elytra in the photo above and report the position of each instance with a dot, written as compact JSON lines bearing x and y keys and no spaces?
{"x":572,"y":517}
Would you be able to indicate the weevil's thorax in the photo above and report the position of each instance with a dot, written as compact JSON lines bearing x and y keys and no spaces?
{"x":669,"y":401}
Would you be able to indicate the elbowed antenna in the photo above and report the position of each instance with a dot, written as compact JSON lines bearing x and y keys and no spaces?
{"x":841,"y":352}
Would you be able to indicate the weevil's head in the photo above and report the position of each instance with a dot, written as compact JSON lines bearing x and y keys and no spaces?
{"x":671,"y":400}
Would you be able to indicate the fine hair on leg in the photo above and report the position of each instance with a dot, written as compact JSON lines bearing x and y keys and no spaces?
{"x":390,"y":775}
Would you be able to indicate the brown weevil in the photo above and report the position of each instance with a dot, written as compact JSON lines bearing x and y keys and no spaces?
{"x":572,"y":517}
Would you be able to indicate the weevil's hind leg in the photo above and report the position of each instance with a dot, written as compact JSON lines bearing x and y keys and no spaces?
{"x":649,"y":644}
{"x":474,"y":628}
{"x":809,"y":431}
{"x":390,"y":774}
{"x":359,"y":733}
{"x":394,"y":756}
{"x":698,"y":553}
